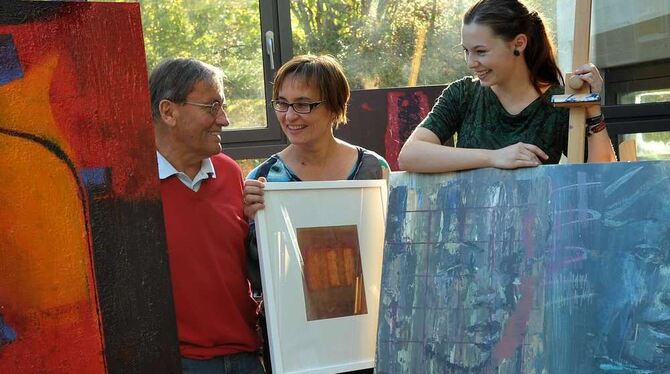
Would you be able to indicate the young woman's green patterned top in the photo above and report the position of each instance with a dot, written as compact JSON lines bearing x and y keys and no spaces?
{"x":476,"y":115}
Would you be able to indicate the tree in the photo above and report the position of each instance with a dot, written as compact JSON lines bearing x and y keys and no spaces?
{"x":376,"y":40}
{"x":226,"y":35}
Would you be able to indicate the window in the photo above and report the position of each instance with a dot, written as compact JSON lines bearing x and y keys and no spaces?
{"x":235,"y":36}
{"x":387,"y":44}
{"x":651,"y":146}
{"x":629,"y":44}
{"x":384,"y":44}
{"x":645,"y":96}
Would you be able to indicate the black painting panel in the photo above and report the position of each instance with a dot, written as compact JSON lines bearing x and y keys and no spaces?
{"x":133,"y":282}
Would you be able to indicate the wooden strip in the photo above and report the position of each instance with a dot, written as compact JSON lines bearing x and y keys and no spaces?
{"x":580,"y":56}
{"x":582,"y":36}
{"x":628,"y":150}
{"x":577,"y":135}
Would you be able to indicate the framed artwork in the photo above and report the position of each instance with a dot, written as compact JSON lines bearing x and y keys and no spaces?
{"x":320,"y":251}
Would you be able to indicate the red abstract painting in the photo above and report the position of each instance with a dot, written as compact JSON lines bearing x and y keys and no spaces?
{"x":77,"y":162}
{"x":405,"y":112}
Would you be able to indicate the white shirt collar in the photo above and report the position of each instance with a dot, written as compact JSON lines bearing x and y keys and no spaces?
{"x":166,"y":170}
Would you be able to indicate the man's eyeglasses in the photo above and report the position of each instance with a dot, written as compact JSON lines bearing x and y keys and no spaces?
{"x":212,"y":108}
{"x":301,"y":108}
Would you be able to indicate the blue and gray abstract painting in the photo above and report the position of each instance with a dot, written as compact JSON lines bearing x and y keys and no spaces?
{"x":555,"y":269}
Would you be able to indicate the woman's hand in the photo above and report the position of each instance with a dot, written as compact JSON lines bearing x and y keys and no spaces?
{"x":519,"y":155}
{"x":589,"y":73}
{"x":253,"y":196}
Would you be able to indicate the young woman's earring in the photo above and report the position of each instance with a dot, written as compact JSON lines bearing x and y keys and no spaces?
{"x":517,"y":53}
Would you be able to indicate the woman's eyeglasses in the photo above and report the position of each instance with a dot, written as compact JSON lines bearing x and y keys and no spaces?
{"x":301,"y":108}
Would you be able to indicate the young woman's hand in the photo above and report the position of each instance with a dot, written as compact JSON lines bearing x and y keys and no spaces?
{"x":519,"y":155}
{"x":589,"y":73}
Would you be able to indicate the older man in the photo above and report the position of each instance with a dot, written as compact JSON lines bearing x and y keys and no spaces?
{"x":205,"y":224}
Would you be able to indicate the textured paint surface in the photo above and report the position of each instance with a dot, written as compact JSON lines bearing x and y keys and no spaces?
{"x":84,"y":284}
{"x":46,"y":270}
{"x":405,"y":112}
{"x":333,"y":275}
{"x":558,"y":269}
{"x":7,"y":333}
{"x":381,"y":120}
{"x":9,"y":61}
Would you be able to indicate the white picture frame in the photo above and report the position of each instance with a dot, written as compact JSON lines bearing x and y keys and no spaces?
{"x":326,"y":343}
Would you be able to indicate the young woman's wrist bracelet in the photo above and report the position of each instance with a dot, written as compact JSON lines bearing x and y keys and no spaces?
{"x":592,"y":121}
{"x":590,"y":130}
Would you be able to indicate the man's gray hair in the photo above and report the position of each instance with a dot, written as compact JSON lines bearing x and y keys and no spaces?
{"x":173,"y":79}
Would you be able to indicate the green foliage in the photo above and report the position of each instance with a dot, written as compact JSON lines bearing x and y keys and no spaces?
{"x":224,"y":34}
{"x":374,"y":39}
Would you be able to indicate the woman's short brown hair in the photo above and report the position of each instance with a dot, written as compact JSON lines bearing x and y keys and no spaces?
{"x":326,"y":73}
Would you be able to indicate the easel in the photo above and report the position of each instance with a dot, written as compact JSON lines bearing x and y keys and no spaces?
{"x":577,"y":95}
{"x":575,"y":86}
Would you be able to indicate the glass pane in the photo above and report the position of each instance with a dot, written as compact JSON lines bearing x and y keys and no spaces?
{"x":382,"y":43}
{"x":627,"y":32}
{"x":224,"y":34}
{"x":389,"y":43}
{"x":651,"y":145}
{"x":644,"y":97}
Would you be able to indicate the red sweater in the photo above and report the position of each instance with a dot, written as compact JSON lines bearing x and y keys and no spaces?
{"x":206,"y":233}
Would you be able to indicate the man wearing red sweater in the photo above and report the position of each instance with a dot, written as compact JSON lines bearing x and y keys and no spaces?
{"x":206,"y":229}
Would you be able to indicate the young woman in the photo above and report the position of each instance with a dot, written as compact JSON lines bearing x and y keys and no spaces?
{"x":501,"y":115}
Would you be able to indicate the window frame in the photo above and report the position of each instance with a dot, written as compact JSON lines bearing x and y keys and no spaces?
{"x":637,"y":77}
{"x":623,"y":119}
{"x":275,"y":16}
{"x":262,"y":142}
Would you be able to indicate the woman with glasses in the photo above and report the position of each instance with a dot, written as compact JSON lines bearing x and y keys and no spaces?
{"x":310,"y":96}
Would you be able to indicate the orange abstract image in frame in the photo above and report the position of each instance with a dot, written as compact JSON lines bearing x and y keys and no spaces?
{"x":333,"y":277}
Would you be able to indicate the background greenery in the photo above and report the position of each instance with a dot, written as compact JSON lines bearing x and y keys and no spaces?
{"x":375,"y":40}
{"x":380,"y":43}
